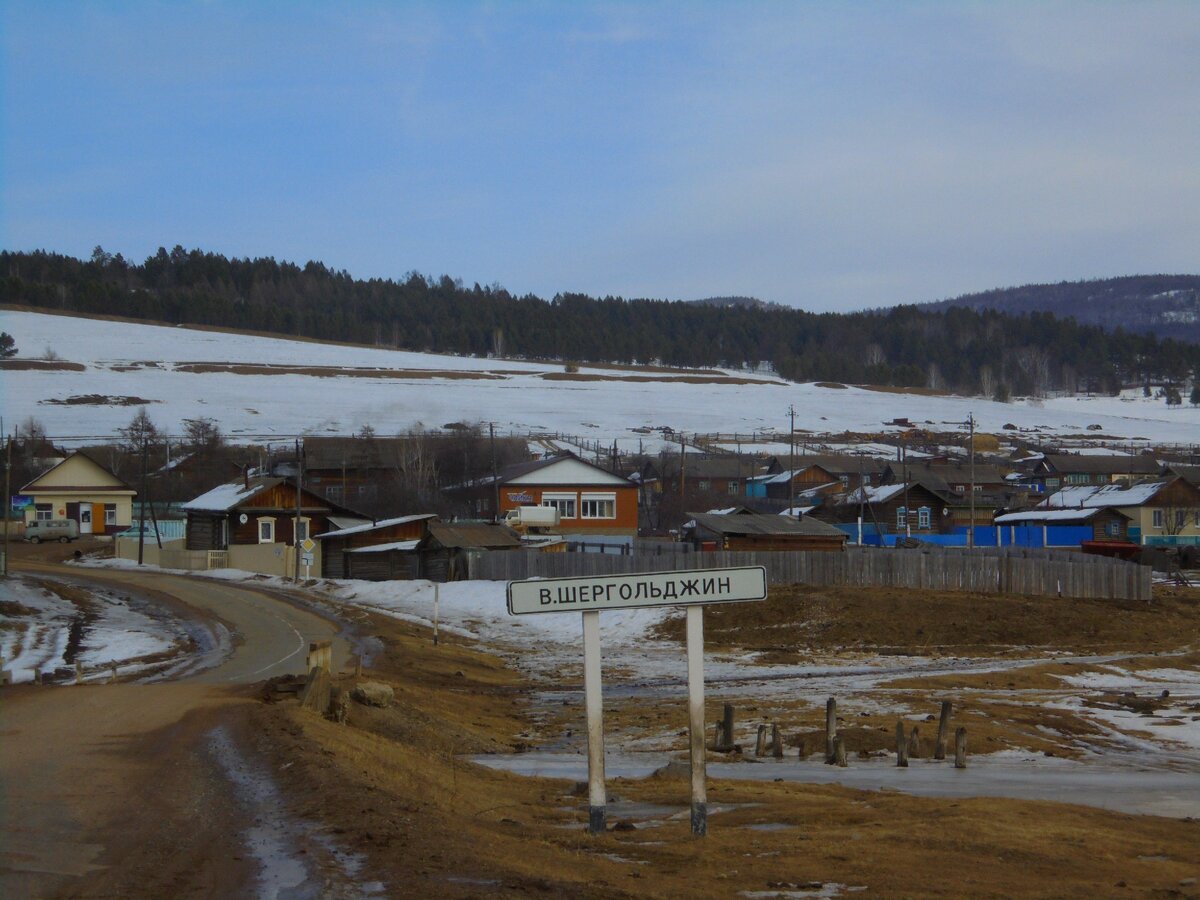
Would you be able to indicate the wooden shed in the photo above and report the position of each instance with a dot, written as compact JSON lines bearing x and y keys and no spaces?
{"x":754,"y":531}
{"x":377,"y":551}
{"x":439,"y":550}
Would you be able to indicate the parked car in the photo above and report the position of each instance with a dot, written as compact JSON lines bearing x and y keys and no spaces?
{"x":62,"y":530}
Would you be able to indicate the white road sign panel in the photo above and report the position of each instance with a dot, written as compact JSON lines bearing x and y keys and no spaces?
{"x":592,"y":593}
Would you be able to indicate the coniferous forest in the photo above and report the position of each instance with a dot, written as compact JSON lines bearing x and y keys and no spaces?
{"x":955,"y":349}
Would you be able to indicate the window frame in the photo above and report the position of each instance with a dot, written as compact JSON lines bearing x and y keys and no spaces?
{"x":924,"y":517}
{"x":566,"y":502}
{"x":43,"y":512}
{"x":267,"y":522}
{"x":901,"y":517}
{"x":609,"y":498}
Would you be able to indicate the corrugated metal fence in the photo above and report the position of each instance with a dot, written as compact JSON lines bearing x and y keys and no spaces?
{"x":1008,"y":571}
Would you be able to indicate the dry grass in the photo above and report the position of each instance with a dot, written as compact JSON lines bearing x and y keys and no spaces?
{"x":390,"y":786}
{"x":41,"y":365}
{"x":681,"y":379}
{"x":800,"y":619}
{"x":329,"y":371}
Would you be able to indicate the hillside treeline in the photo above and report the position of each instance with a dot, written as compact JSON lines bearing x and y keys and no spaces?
{"x":963,"y":350}
{"x":1164,"y":305}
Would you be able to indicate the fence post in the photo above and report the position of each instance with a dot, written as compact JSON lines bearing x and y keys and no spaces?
{"x":776,"y":742}
{"x":727,"y":727}
{"x":830,"y":728}
{"x":960,"y":748}
{"x":939,"y":751}
{"x":901,"y":745}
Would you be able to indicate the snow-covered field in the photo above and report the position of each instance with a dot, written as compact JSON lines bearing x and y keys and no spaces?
{"x":150,"y":363}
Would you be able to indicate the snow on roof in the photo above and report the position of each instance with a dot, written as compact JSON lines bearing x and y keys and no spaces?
{"x":869,"y":493}
{"x":1048,"y":515}
{"x":1085,"y":496}
{"x":797,"y":511}
{"x":226,"y":496}
{"x":723,"y":512}
{"x":371,"y":526}
{"x":383,"y":548}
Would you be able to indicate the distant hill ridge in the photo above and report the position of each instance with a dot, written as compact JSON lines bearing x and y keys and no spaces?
{"x":994,"y":353}
{"x":1167,"y":306}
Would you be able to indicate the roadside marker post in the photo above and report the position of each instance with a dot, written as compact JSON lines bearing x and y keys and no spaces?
{"x":590,"y":596}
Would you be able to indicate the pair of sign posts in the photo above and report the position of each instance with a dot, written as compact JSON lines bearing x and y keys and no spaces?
{"x":692,"y":589}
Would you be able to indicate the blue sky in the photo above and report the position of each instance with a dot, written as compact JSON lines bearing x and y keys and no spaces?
{"x":829,"y":156}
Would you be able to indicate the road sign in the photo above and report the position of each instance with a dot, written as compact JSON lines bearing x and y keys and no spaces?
{"x":647,"y":589}
{"x":308,"y":544}
{"x":306,"y":559}
{"x":591,"y":595}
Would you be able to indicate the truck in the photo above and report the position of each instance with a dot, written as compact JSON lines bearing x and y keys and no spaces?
{"x":535,"y":519}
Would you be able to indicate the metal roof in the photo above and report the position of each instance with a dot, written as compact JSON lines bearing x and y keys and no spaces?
{"x":773,"y":525}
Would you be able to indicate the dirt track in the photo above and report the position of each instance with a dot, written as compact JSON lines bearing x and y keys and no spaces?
{"x":112,"y":789}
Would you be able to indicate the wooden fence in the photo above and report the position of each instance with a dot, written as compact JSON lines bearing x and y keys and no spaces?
{"x":1029,"y":571}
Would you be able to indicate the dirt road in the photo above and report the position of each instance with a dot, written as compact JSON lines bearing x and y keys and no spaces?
{"x":117,"y":789}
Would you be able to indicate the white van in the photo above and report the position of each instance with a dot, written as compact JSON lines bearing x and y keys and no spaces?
{"x":62,"y":530}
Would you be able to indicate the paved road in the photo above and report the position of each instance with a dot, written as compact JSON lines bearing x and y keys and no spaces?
{"x":109,"y":789}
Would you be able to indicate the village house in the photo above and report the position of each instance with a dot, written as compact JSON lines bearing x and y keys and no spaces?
{"x":812,"y":470}
{"x":80,"y":489}
{"x":1161,"y":513}
{"x":255,"y":524}
{"x":1058,"y":470}
{"x":594,"y":505}
{"x":910,"y":508}
{"x":753,"y":531}
{"x":725,"y":474}
{"x":1102,"y":523}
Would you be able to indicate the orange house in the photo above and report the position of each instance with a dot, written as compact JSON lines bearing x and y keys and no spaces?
{"x":592,"y":502}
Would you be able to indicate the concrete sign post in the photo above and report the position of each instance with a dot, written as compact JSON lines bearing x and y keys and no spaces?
{"x":589,"y":596}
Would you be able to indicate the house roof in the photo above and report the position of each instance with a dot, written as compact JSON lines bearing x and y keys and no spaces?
{"x":1048,"y":516}
{"x":472,"y":535}
{"x":1103,"y":495}
{"x":727,"y":467}
{"x":386,"y":548}
{"x":114,"y":485}
{"x":225,"y":497}
{"x":834,"y":464}
{"x":375,"y":526}
{"x":572,"y":470}
{"x":766,"y":525}
{"x":1064,"y":463}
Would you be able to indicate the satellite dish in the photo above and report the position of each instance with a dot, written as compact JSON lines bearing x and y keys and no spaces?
{"x":243,"y":518}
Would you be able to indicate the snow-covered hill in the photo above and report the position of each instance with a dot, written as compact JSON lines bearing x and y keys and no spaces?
{"x":259,"y":388}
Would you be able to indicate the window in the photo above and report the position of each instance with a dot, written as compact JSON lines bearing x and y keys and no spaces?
{"x":564,"y":503}
{"x":43,"y":512}
{"x":266,"y":531}
{"x":733,"y":488}
{"x":1196,"y":520}
{"x":704,"y":484}
{"x":1180,"y":518}
{"x":598,"y":506}
{"x":845,"y":480}
{"x":110,"y":514}
{"x":901,"y":517}
{"x":923,"y":517}
{"x":302,"y":530}
{"x":335,"y":493}
{"x":1113,"y":529}
{"x":1158,"y":518}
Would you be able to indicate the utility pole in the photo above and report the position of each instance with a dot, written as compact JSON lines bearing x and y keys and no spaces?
{"x":142,"y":516}
{"x":792,"y":460}
{"x":495,"y":478}
{"x":7,"y":492}
{"x":971,"y":432}
{"x":904,"y":457}
{"x":296,"y":525}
